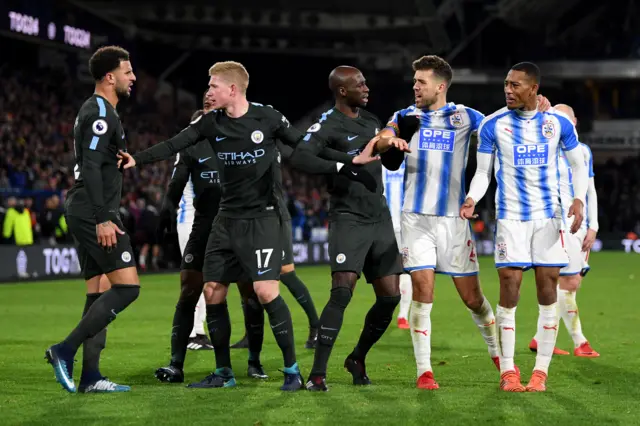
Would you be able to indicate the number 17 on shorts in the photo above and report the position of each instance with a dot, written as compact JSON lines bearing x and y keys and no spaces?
{"x":267,"y":266}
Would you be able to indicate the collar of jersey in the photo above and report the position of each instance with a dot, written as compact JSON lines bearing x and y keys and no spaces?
{"x":450,"y":106}
{"x":524,"y":115}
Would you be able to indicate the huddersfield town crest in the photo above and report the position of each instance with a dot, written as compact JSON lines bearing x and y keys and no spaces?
{"x":501,"y":248}
{"x":548,"y":129}
{"x":456,"y":119}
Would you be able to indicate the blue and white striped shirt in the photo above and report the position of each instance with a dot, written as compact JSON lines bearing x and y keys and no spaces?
{"x":435,"y":169}
{"x":525,"y":146}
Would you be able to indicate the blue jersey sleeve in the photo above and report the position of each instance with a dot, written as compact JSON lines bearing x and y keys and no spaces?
{"x":395,"y":122}
{"x":487,"y":136}
{"x":568,"y":134}
{"x":475,"y":117}
{"x":392,"y":124}
{"x":590,"y":163}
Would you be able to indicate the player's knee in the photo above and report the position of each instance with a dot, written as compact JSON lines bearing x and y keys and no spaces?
{"x":191,"y":285}
{"x":510,"y":277}
{"x":422,"y":279}
{"x":215,"y":293}
{"x":388,"y":303}
{"x":473,"y":301}
{"x":570,"y":283}
{"x":387,"y":286}
{"x":266,"y":291}
{"x":340,"y":297}
{"x":344,"y":279}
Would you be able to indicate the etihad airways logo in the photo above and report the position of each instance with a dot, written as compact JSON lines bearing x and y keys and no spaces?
{"x":241,"y":158}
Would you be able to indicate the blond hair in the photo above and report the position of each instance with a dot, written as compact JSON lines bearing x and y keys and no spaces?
{"x":232,"y":72}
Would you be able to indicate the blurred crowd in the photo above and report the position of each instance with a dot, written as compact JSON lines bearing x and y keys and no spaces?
{"x":37,"y":112}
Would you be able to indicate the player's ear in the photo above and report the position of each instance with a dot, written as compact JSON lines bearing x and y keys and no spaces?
{"x":535,"y":88}
{"x":110,"y":77}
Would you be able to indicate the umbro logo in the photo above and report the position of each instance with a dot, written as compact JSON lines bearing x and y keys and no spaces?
{"x":218,"y":138}
{"x":202,"y":160}
{"x":350,"y":138}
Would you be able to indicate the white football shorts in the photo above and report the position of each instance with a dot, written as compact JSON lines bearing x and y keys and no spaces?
{"x":527,"y":244}
{"x":442,"y":243}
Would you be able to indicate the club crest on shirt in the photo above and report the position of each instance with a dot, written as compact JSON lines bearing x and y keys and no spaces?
{"x":501,"y":248}
{"x":257,"y":136}
{"x":548,"y":129}
{"x":456,"y":119}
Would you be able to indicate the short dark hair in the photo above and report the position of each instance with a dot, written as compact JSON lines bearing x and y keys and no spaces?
{"x":440,"y":67}
{"x":530,"y":69}
{"x":197,"y":114}
{"x":105,"y":60}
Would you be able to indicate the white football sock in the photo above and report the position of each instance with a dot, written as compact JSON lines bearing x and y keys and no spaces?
{"x":547,"y":332}
{"x":420,"y":321}
{"x":486,"y":322}
{"x":406,"y":291}
{"x":568,"y":308}
{"x":506,"y":328}
{"x":199,"y":316}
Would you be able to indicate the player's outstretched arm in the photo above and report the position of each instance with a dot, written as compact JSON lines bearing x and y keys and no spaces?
{"x":479,"y":184}
{"x":193,"y":134}
{"x":391,"y":148}
{"x":327,"y":153}
{"x":305,"y":157}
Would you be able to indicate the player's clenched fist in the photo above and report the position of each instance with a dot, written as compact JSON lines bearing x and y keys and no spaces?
{"x":466,"y":211}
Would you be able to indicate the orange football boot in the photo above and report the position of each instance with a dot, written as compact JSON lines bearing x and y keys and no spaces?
{"x":533,"y":346}
{"x":510,"y":382}
{"x":586,"y":351}
{"x":538,"y":382}
{"x":426,"y":381}
{"x":403,"y":323}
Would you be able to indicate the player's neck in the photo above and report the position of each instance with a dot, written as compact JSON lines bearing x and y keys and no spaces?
{"x":349,"y":111}
{"x":440,"y":103}
{"x":238,"y":108}
{"x":109,"y":95}
{"x":531,"y":105}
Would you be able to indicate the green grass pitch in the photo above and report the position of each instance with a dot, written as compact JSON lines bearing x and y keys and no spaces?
{"x":580,"y":391}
